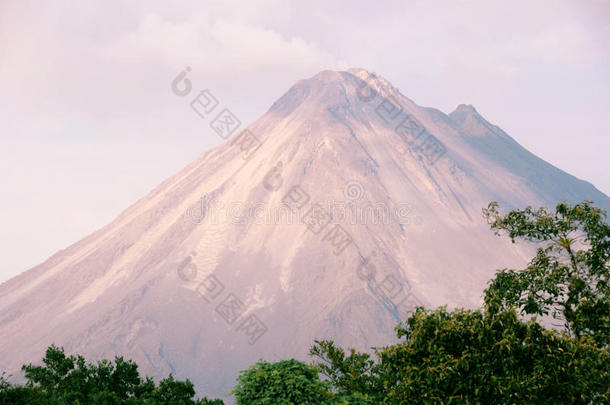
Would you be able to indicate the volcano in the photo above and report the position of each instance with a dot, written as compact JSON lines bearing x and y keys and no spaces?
{"x":332,"y":216}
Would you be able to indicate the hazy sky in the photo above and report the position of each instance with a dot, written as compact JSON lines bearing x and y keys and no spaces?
{"x":88,"y":122}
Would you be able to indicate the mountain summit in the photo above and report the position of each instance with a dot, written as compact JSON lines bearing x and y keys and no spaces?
{"x":333,"y":215}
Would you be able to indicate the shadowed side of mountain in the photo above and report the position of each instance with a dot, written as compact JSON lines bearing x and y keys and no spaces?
{"x":549,"y":182}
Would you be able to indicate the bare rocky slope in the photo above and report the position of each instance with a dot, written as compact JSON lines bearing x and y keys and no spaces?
{"x":331,"y":216}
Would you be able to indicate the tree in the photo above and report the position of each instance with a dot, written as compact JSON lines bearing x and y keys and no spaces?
{"x":490,"y":355}
{"x":355,"y":377}
{"x":282,"y":383}
{"x":569,"y":278}
{"x":13,"y":394}
{"x":66,"y":379}
{"x":473,"y":356}
{"x":468,"y":356}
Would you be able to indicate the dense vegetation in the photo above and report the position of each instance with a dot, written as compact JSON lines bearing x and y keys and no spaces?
{"x":71,"y":380}
{"x":487,"y":356}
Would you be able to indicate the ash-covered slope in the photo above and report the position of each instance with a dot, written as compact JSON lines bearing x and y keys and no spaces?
{"x":551,"y":183}
{"x":340,"y":209}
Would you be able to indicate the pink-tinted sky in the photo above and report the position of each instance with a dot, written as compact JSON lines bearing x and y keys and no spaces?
{"x":88,"y":122}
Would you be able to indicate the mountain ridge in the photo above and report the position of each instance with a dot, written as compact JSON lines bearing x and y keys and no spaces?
{"x":405,"y":184}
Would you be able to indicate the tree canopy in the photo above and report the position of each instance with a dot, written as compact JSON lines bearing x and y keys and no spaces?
{"x":472,"y":356}
{"x":283,"y":383}
{"x":569,"y":278}
{"x":67,"y":380}
{"x":490,"y":355}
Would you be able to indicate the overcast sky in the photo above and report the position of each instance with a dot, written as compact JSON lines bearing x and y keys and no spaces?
{"x":88,"y":123}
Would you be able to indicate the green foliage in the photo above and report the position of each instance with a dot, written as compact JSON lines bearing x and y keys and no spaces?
{"x":4,"y":384}
{"x":282,"y":383}
{"x":71,"y":380}
{"x":569,"y":279}
{"x":477,"y":357}
{"x":469,"y":356}
{"x":355,"y":376}
{"x":490,"y":356}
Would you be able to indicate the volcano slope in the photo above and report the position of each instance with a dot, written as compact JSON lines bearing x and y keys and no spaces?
{"x":331,"y":216}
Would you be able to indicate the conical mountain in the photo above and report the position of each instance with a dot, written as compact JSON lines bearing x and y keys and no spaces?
{"x":331,"y":216}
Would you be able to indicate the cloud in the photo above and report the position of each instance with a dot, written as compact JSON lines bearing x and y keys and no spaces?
{"x":217,"y":46}
{"x":121,"y":75}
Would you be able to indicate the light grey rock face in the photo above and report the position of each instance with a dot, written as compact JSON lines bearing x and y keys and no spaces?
{"x":550,"y":183}
{"x":356,"y":206}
